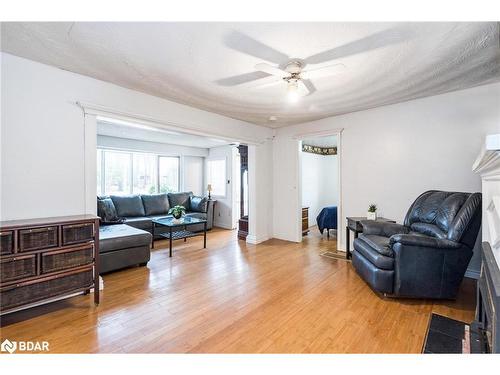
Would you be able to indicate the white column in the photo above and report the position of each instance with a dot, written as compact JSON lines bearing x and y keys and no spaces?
{"x":90,"y":159}
{"x":260,"y":191}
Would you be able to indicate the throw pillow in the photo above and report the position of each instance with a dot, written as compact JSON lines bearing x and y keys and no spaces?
{"x":107,"y":212}
{"x":199,"y":204}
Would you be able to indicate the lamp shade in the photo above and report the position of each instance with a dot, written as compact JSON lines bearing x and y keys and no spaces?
{"x":209,"y":187}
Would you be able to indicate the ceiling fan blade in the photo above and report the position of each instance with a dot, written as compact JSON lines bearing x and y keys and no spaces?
{"x":309,"y":85}
{"x":303,"y":89}
{"x":324,"y":71}
{"x":269,"y":69}
{"x":261,"y":82}
{"x":378,"y":40}
{"x":246,"y":44}
{"x":241,"y":78}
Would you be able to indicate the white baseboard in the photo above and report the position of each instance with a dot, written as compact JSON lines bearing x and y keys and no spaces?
{"x":223,"y":226}
{"x":256,"y":240}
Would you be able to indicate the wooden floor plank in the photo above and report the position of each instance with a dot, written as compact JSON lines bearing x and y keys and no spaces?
{"x":233,"y":297}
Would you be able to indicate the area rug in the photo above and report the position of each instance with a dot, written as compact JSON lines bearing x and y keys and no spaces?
{"x":447,"y":336}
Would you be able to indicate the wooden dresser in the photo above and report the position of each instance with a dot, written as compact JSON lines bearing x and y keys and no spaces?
{"x":46,"y":259}
{"x":305,"y":220}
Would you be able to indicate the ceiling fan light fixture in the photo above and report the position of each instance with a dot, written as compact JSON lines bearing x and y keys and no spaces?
{"x":293,"y":91}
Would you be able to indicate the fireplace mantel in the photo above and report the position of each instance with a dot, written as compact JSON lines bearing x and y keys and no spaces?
{"x":488,"y":166}
{"x":487,"y":319}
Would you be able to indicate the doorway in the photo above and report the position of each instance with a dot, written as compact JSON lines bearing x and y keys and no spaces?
{"x":320,"y":196}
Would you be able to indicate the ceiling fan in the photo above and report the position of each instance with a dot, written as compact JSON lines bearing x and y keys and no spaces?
{"x":296,"y":79}
{"x":291,"y":72}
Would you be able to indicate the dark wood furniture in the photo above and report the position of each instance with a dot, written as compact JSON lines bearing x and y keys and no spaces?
{"x":353,"y":223}
{"x":243,"y":221}
{"x":243,"y":228}
{"x":45,"y":259}
{"x":305,"y":221}
{"x":487,"y":320}
{"x":178,"y":229}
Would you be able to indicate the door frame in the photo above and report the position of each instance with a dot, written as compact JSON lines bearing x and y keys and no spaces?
{"x":318,"y":134}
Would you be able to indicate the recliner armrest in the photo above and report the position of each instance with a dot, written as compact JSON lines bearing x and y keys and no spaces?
{"x":381,"y":228}
{"x":423,"y":241}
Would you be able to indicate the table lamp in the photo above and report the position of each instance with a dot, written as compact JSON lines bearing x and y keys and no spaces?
{"x":209,"y":189}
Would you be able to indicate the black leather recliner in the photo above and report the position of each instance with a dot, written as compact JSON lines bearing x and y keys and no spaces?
{"x":427,"y":256}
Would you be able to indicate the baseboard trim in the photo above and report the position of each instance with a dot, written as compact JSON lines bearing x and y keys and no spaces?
{"x":472,"y":274}
{"x":223,"y":226}
{"x":254,"y":240}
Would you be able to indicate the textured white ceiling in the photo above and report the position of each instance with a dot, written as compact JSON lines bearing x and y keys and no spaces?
{"x":189,"y":62}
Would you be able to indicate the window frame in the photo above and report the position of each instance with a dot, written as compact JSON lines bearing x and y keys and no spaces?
{"x":224,"y":159}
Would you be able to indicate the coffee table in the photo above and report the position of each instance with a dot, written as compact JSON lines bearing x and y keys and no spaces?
{"x":179,"y":229}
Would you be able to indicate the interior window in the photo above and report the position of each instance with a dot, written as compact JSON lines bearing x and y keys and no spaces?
{"x":143,"y":172}
{"x":121,"y":172}
{"x":168,"y":172}
{"x":216,"y":176}
{"x":117,"y":172}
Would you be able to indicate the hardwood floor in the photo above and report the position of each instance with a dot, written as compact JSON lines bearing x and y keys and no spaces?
{"x":276,"y":297}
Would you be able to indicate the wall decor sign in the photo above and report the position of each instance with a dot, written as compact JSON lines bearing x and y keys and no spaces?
{"x":319,"y":150}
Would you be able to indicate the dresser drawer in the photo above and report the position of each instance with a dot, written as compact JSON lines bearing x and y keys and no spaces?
{"x":305,"y":213}
{"x":76,"y":233}
{"x":57,"y":260}
{"x":33,"y":291}
{"x":17,"y":267}
{"x":37,"y":238}
{"x":7,"y":242}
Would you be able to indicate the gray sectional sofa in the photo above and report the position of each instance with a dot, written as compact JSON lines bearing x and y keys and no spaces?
{"x":126,"y":224}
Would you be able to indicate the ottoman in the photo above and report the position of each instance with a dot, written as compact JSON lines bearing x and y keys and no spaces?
{"x":121,"y":246}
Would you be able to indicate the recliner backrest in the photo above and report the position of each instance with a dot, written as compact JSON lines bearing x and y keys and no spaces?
{"x":449,"y":215}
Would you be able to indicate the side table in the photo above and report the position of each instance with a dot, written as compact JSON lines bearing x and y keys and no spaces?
{"x":354,"y":224}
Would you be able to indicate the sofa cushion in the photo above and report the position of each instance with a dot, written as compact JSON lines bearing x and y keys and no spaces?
{"x":198,"y":204}
{"x":377,"y":259}
{"x":155,"y":204}
{"x":141,"y":222}
{"x":180,"y":199}
{"x":378,"y":243}
{"x":128,"y":205}
{"x":106,"y":210}
{"x":121,"y":236}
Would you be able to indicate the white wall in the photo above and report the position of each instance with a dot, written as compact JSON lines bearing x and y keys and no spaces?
{"x":42,"y":134}
{"x":153,"y":147}
{"x":392,"y":154}
{"x":319,"y":176}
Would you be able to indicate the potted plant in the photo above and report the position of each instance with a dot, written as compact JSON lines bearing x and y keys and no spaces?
{"x":177,"y":211}
{"x":372,"y":212}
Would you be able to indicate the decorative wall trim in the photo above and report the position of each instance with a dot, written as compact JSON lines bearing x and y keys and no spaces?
{"x":319,"y":150}
{"x":99,"y":110}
